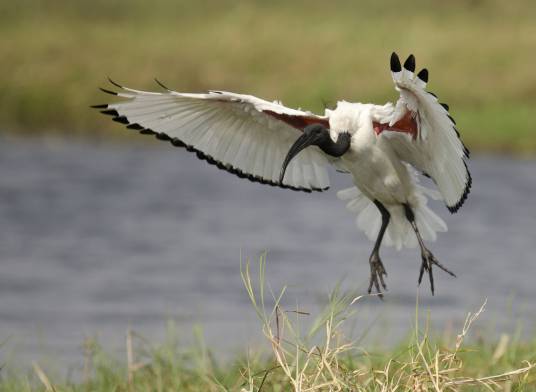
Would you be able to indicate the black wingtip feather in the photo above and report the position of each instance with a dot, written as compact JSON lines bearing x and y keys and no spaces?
{"x":110,"y":112}
{"x":135,"y":126}
{"x":107,"y":91}
{"x":121,"y":120}
{"x":163,"y":136}
{"x":161,"y":84}
{"x":147,"y":132}
{"x":114,"y":83}
{"x":409,"y":64}
{"x":453,"y":209}
{"x":466,"y":151}
{"x":423,"y":75}
{"x":451,"y":119}
{"x":395,"y":63}
{"x":103,"y":106}
{"x":177,"y":143}
{"x":445,"y":106}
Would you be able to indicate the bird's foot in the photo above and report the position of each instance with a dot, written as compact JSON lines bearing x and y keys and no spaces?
{"x":429,"y":260}
{"x":377,"y":272}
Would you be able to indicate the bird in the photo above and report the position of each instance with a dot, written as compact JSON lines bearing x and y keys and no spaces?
{"x":385,"y":149}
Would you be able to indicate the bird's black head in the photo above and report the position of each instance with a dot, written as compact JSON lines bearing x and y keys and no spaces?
{"x":313,"y":135}
{"x":316,"y":135}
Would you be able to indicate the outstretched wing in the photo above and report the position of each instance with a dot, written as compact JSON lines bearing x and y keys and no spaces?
{"x":241,"y":134}
{"x":423,"y":134}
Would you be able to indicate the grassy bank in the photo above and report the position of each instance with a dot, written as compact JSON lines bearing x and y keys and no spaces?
{"x":416,"y":365}
{"x":480,"y":55}
{"x":306,"y":353}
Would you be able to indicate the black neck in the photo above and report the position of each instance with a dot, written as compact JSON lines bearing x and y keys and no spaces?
{"x":338,"y":148}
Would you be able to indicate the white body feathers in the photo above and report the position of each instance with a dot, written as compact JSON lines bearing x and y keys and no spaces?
{"x":379,"y":174}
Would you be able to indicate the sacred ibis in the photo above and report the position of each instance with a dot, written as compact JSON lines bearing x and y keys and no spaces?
{"x":383,"y":147}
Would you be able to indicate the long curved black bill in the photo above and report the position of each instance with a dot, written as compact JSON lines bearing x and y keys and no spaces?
{"x":303,"y":141}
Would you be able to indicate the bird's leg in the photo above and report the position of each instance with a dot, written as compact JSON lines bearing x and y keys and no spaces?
{"x":428,"y":259}
{"x":377,"y":270}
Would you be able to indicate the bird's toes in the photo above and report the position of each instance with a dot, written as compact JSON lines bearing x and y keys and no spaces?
{"x":375,"y":280}
{"x":382,"y":281}
{"x":433,"y":261}
{"x":377,"y":273}
{"x":424,"y":267}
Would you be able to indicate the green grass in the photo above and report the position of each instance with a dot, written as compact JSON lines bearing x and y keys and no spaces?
{"x":480,"y":55}
{"x":306,"y":353}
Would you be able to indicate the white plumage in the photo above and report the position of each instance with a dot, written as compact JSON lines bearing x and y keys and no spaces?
{"x":383,"y":148}
{"x":399,"y":232}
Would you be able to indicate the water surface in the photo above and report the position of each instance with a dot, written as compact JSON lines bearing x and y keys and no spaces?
{"x":97,"y":238}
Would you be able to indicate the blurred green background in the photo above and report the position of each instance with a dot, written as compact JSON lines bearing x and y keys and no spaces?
{"x":480,"y":54}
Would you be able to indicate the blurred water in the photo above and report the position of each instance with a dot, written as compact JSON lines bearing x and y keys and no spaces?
{"x":97,"y":238}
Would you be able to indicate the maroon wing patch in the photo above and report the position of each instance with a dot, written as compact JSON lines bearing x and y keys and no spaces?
{"x":406,"y":124}
{"x":298,"y":122}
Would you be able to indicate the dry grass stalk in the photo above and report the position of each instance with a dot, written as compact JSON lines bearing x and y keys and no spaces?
{"x":43,"y":377}
{"x":322,"y":367}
